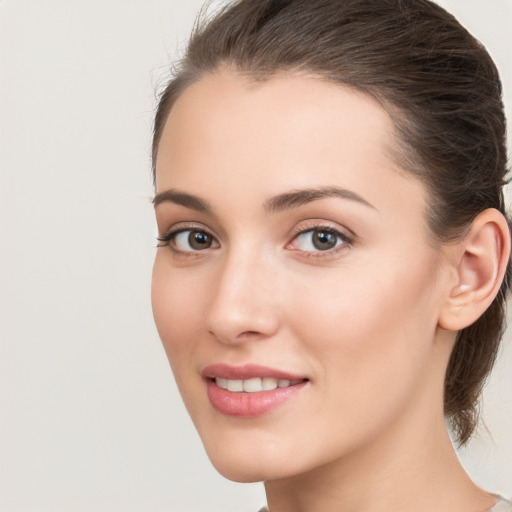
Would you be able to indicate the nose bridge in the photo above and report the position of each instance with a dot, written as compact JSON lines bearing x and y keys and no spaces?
{"x":243,"y":305}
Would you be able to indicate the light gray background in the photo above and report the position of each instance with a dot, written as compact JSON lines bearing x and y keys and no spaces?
{"x":90,"y":417}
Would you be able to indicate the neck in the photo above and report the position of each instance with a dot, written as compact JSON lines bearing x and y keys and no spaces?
{"x":407,"y":469}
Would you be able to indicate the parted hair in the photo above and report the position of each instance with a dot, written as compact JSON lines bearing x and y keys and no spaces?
{"x":442,"y":91}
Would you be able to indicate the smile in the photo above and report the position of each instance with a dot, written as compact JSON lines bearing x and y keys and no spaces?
{"x":251,"y":390}
{"x":254,"y":385}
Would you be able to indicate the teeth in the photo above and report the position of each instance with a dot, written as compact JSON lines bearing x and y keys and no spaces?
{"x":253,"y":385}
{"x":235,"y":385}
{"x":268,"y":383}
{"x":222,"y":383}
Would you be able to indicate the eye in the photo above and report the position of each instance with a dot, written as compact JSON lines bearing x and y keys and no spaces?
{"x":192,"y":240}
{"x":189,"y":240}
{"x":319,"y":239}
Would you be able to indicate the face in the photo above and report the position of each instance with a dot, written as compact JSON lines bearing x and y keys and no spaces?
{"x":295,"y":288}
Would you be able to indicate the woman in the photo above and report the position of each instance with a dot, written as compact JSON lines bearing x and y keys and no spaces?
{"x":334,"y":252}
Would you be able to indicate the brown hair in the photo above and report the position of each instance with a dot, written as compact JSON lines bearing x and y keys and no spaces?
{"x":444,"y":94}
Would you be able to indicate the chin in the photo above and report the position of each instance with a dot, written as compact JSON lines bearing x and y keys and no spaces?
{"x":254,"y":461}
{"x":251,"y":471}
{"x":242,"y":466}
{"x":242,"y":475}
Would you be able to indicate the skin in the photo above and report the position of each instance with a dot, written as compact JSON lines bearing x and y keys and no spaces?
{"x":360,"y":321}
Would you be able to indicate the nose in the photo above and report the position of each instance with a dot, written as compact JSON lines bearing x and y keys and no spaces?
{"x":244,"y":304}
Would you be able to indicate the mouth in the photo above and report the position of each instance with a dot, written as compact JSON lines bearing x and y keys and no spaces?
{"x":250,"y":390}
{"x":255,"y":384}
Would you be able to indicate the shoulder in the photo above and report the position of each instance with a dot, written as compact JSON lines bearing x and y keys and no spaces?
{"x":502,"y":505}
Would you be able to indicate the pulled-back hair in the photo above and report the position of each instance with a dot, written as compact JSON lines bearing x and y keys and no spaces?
{"x":442,"y":91}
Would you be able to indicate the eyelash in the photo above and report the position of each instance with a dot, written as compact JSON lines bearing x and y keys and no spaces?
{"x":343,"y":242}
{"x":169,"y":240}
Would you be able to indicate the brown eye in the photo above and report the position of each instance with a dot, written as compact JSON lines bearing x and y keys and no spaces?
{"x":199,"y":240}
{"x":324,"y":240}
{"x":319,"y":239}
{"x":189,"y":240}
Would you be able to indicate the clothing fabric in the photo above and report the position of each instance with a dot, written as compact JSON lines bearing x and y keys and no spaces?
{"x":502,"y":505}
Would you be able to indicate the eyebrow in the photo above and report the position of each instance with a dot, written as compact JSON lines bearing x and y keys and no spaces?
{"x":297,"y":198}
{"x":183,"y":199}
{"x":281,"y":202}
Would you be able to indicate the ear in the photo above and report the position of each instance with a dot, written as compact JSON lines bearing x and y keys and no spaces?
{"x":479,"y":263}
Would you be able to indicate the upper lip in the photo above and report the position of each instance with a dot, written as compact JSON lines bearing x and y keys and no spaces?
{"x":247,"y":371}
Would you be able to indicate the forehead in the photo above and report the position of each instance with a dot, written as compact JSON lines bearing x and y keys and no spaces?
{"x":286,"y":132}
{"x":298,"y":106}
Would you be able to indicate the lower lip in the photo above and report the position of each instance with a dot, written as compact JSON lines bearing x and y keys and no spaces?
{"x":249,"y":405}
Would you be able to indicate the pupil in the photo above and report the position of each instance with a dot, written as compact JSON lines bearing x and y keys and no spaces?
{"x":199,"y":240}
{"x":323,"y":240}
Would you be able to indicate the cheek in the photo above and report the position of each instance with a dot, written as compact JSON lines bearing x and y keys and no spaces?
{"x":370,"y":335}
{"x":359,"y":308}
{"x":177,"y":310}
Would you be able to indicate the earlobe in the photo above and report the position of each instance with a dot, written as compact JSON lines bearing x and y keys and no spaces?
{"x":480,"y":266}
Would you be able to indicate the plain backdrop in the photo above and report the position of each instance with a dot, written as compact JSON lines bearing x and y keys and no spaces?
{"x":90,"y":419}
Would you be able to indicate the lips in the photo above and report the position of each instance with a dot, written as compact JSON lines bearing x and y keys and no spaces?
{"x":250,"y":390}
{"x":247,"y":371}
